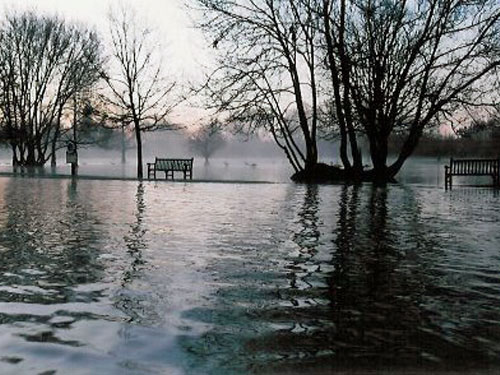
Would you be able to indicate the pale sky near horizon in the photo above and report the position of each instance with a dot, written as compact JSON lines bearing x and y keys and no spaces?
{"x":183,"y":47}
{"x":170,"y":19}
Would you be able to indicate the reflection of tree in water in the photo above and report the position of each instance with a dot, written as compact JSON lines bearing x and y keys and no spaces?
{"x":136,"y":299}
{"x":364,"y":285}
{"x":345,"y":235}
{"x":384,"y":269}
{"x":135,"y":240}
{"x":356,"y":307}
{"x":50,"y":246}
{"x":340,"y":287}
{"x":307,"y":238}
{"x":51,"y":237}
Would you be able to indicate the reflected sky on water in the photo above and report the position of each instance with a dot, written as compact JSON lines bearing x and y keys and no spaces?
{"x":126,"y":277}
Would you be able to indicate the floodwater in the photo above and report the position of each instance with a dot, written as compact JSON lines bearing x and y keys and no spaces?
{"x":123,"y":277}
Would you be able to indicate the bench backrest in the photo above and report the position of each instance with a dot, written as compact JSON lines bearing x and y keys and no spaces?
{"x":475,"y":166}
{"x":173,"y":164}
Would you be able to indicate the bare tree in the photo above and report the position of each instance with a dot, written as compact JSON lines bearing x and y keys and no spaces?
{"x":44,"y":62}
{"x":139,"y":95}
{"x":403,"y":67}
{"x":392,"y":66}
{"x":267,"y":75}
{"x":207,"y":139}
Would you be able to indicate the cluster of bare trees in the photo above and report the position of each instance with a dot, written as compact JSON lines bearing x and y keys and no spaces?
{"x":44,"y":63}
{"x":356,"y":68}
{"x":295,"y":69}
{"x":53,"y":71}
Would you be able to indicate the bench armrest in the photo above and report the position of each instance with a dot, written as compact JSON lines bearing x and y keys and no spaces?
{"x":151,"y":167}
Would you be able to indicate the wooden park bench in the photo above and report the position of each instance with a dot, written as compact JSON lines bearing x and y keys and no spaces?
{"x":169,"y":166}
{"x":472,"y":167}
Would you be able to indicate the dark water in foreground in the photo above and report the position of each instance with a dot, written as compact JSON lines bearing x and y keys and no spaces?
{"x":171,"y":278}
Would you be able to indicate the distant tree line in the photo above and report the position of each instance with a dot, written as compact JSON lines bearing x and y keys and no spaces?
{"x":480,"y":139}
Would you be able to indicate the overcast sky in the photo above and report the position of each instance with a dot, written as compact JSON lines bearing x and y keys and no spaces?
{"x":169,"y":18}
{"x":183,"y":46}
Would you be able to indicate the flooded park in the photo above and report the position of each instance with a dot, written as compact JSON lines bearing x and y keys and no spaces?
{"x":159,"y":277}
{"x":229,"y":187}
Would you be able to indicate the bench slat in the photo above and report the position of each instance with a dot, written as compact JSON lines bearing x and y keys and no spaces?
{"x":173,"y":164}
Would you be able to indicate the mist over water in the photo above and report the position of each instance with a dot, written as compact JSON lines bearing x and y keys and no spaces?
{"x":238,"y":159}
{"x":126,"y":277}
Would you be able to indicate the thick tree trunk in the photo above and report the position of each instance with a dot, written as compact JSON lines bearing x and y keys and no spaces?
{"x":378,"y":153}
{"x":53,"y":156}
{"x":30,"y":158}
{"x":311,"y":153}
{"x":343,"y":148}
{"x":139,"y":151}
{"x":15,"y":160}
{"x":407,"y":149}
{"x":57,"y":133}
{"x":356,"y":154}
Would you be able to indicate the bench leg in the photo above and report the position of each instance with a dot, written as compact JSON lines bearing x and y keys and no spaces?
{"x":447,"y":181}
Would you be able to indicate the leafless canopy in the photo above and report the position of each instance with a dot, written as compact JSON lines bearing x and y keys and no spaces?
{"x":403,"y":65}
{"x":139,"y":95}
{"x":267,"y":70}
{"x":384,"y":66}
{"x":44,"y":62}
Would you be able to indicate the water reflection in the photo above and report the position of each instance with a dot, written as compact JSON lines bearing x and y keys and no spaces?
{"x":224,"y":278}
{"x":46,"y":256}
{"x":135,"y":240}
{"x":43,"y":247}
{"x":134,"y":297}
{"x":307,"y":239}
{"x":374,"y":306}
{"x":357,"y":297}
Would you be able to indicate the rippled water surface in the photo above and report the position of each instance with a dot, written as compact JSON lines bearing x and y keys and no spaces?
{"x":215,"y":278}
